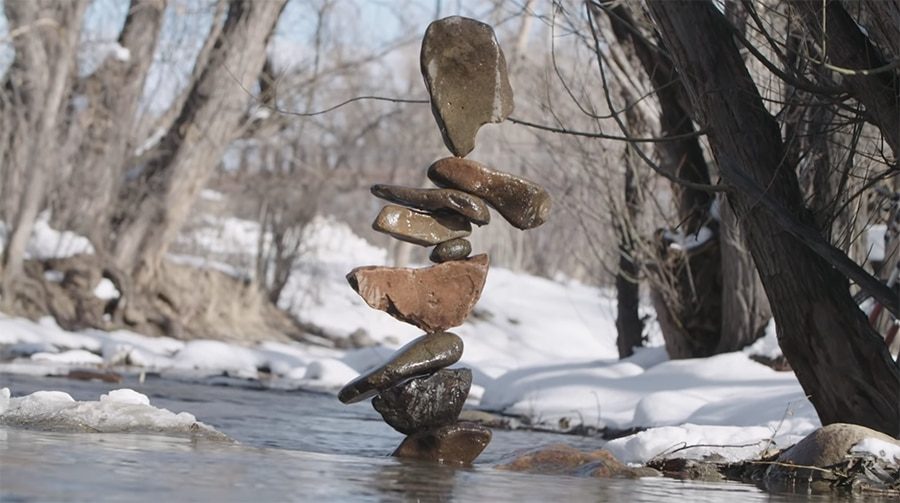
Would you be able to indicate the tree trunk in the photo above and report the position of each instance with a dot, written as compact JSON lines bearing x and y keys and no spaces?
{"x":34,"y":94}
{"x":629,"y":326}
{"x":726,"y":324}
{"x":841,"y":362}
{"x":845,"y":46}
{"x":154,"y":205}
{"x":113,"y":95}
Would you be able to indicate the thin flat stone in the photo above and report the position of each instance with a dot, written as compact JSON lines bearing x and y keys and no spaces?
{"x":432,"y":298}
{"x":420,"y":228}
{"x":455,"y":249}
{"x":466,"y":76}
{"x":457,"y":444}
{"x":442,"y":200}
{"x":523,"y":203}
{"x":423,"y":403}
{"x":422,"y":356}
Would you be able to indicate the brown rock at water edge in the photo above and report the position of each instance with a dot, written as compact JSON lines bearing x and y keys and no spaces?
{"x":420,"y":228}
{"x":455,"y":249}
{"x":436,"y":200}
{"x":457,"y":444}
{"x":466,"y":76}
{"x":523,"y":203}
{"x":422,"y":356}
{"x":432,"y":298}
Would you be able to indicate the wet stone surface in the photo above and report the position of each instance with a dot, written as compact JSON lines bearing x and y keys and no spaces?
{"x":466,"y":76}
{"x":523,"y":203}
{"x":432,"y":298}
{"x":455,"y":249}
{"x":422,"y":356}
{"x":436,"y":200}
{"x":425,"y":402}
{"x":420,"y":228}
{"x":457,"y":444}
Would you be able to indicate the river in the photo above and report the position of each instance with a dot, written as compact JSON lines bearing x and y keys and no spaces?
{"x":291,"y":446}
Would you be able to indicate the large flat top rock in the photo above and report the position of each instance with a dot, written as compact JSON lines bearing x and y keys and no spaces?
{"x":465,"y":73}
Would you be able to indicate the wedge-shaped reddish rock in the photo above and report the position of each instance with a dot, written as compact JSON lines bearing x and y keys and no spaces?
{"x":432,"y":298}
{"x":423,"y":356}
{"x":522,"y":203}
{"x":442,"y":200}
{"x":465,"y":73}
{"x":420,"y":228}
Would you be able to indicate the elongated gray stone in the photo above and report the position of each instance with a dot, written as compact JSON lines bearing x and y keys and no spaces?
{"x":420,"y":228}
{"x":425,"y":402}
{"x":473,"y":208}
{"x":523,"y":203}
{"x":456,"y":249}
{"x":465,"y":73}
{"x":422,"y":356}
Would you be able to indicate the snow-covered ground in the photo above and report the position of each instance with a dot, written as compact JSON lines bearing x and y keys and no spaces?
{"x":539,"y":348}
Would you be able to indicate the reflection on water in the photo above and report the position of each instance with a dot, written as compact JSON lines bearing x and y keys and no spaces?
{"x":292,"y":447}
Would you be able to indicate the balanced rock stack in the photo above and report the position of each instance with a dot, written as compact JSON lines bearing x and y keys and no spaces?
{"x":465,"y":73}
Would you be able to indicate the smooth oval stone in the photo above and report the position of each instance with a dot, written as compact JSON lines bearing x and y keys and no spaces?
{"x":432,"y":298}
{"x":473,"y":208}
{"x":457,"y":444}
{"x":465,"y":73}
{"x":422,"y":356}
{"x":420,"y":228}
{"x":523,"y":203}
{"x":455,"y":249}
{"x":425,"y":402}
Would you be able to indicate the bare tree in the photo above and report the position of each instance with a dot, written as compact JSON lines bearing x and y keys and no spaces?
{"x":840,"y":361}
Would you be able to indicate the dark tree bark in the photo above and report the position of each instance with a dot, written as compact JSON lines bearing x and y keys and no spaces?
{"x":841,"y":362}
{"x":847,"y":47}
{"x":714,"y":302}
{"x":629,"y":326}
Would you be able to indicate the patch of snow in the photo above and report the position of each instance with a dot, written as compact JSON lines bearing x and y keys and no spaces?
{"x":54,"y":276}
{"x":70,"y":357}
{"x":46,"y":242}
{"x":767,"y":345}
{"x":118,"y":411}
{"x":330,"y":372}
{"x":106,"y":290}
{"x":216,"y":355}
{"x":680,"y":241}
{"x":875,"y":237}
{"x":211,"y":195}
{"x":885,"y":451}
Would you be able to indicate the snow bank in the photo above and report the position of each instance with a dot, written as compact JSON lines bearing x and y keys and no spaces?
{"x":119,"y":411}
{"x":540,"y":348}
{"x":884,"y":451}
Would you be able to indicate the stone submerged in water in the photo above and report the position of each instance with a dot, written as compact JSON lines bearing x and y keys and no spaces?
{"x":425,"y":402}
{"x":561,"y":459}
{"x":465,"y":73}
{"x":422,"y":356}
{"x":455,"y":249}
{"x":420,"y":228}
{"x":522,"y":203}
{"x":432,"y":298}
{"x":457,"y":444}
{"x":441,"y":200}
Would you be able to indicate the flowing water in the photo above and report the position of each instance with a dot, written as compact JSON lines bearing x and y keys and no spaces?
{"x":291,"y":446}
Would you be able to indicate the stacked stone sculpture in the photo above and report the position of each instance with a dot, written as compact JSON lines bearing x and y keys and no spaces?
{"x":465,"y":73}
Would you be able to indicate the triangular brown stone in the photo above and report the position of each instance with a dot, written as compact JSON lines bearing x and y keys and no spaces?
{"x":432,"y":298}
